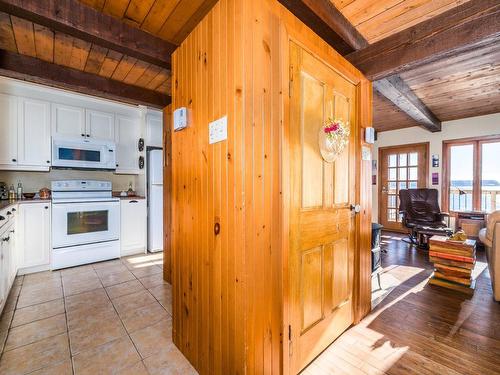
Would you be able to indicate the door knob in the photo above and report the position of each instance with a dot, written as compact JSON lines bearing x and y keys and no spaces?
{"x":356,"y":208}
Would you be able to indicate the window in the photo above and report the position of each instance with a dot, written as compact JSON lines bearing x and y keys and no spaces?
{"x":472,"y":174}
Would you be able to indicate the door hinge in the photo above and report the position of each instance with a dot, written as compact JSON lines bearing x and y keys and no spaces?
{"x":290,"y":342}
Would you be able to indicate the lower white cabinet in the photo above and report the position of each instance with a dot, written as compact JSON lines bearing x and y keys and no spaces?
{"x":34,"y":244}
{"x":133,"y":226}
{"x":8,"y":260}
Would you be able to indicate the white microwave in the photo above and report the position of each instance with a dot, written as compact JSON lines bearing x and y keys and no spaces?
{"x":88,"y":153}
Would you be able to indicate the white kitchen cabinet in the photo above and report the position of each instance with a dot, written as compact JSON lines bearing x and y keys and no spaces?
{"x":8,"y":266}
{"x":68,"y":120}
{"x":80,"y":122}
{"x":34,"y":221}
{"x":33,"y":134}
{"x":8,"y":129}
{"x":127,"y":134}
{"x":154,"y":129}
{"x":133,"y":228}
{"x":100,"y":125}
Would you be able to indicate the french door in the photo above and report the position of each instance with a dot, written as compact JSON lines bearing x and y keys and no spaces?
{"x":401,"y":167}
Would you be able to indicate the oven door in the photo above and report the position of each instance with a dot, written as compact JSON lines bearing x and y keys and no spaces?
{"x":86,"y":154}
{"x":78,"y":223}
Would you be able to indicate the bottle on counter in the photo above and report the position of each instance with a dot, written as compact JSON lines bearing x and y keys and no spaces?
{"x":12,"y":193}
{"x":19,"y":190}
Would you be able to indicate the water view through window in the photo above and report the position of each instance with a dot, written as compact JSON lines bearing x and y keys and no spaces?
{"x":490,"y":179}
{"x":462,"y":166}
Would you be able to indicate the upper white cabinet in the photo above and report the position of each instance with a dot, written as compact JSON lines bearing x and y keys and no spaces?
{"x":8,"y":129}
{"x":68,"y":120}
{"x":100,"y":124}
{"x":154,"y":126}
{"x":25,"y":129}
{"x":127,"y":134}
{"x":80,"y":122}
{"x":33,"y":133}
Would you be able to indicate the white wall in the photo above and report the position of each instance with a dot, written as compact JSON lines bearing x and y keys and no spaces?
{"x":464,"y":128}
{"x":34,"y":181}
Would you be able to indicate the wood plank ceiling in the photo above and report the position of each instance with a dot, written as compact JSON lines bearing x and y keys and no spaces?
{"x":463,"y":86}
{"x":171,"y":20}
{"x":378,"y":19}
{"x":26,"y":38}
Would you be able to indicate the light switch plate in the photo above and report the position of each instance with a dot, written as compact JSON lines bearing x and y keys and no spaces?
{"x":217,"y":130}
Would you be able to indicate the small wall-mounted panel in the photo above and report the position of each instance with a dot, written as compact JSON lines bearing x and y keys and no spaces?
{"x":217,"y":130}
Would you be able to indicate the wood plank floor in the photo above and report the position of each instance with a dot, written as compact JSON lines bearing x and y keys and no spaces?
{"x":417,"y":328}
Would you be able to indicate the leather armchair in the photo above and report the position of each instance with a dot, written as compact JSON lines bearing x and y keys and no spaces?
{"x":420,"y":208}
{"x":490,"y":236}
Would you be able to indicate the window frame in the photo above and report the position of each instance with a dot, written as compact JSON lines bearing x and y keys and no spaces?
{"x":477,"y":143}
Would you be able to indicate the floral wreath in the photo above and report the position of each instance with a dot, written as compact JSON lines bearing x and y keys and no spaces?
{"x":333,"y":138}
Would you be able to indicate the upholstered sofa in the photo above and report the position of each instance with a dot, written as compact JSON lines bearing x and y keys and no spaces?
{"x":490,"y":236}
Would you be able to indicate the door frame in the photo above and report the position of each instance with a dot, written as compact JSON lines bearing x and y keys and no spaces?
{"x":379,"y":188}
{"x":363,"y":195}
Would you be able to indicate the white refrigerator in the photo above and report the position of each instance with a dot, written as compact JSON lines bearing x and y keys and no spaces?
{"x":155,"y":199}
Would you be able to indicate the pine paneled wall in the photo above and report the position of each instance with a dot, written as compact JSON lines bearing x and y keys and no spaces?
{"x":229,"y":289}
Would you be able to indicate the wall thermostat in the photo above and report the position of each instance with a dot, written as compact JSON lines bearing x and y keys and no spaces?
{"x":180,"y":118}
{"x":370,"y":135}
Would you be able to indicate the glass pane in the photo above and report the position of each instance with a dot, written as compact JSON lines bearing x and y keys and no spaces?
{"x":391,"y":214}
{"x":391,"y":201}
{"x":402,"y":160}
{"x":402,"y":185}
{"x":490,"y":179}
{"x":81,"y":155}
{"x":392,"y":187}
{"x":412,"y":185}
{"x":393,"y":160}
{"x":87,"y":222}
{"x":402,"y":173}
{"x":413,"y":173}
{"x":392,"y":174}
{"x":413,"y":158}
{"x":461,"y":177}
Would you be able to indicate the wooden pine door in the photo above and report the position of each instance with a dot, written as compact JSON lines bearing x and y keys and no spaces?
{"x":401,"y":167}
{"x":321,"y":221}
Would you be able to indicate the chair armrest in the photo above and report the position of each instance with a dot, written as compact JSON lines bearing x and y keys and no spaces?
{"x":445,"y":213}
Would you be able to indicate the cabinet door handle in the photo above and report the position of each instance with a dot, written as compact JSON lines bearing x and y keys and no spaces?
{"x":133,"y":201}
{"x":14,"y":160}
{"x":88,"y":135}
{"x":9,"y":213}
{"x":46,"y":207}
{"x":83,"y":135}
{"x":14,"y":210}
{"x":48,"y":161}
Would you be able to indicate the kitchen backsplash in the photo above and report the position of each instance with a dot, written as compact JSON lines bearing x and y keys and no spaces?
{"x":34,"y":181}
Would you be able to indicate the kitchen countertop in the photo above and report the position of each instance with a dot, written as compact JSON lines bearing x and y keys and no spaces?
{"x":7,"y":203}
{"x":132,"y":197}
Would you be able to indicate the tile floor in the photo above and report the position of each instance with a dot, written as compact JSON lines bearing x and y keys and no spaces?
{"x":112,"y":317}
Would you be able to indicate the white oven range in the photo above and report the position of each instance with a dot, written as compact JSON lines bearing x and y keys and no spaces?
{"x":85,"y":223}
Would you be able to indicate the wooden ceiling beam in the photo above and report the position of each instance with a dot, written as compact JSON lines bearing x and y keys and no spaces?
{"x":328,"y":22}
{"x":35,"y":70}
{"x":465,"y":28}
{"x":80,"y":21}
{"x":399,"y":93}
